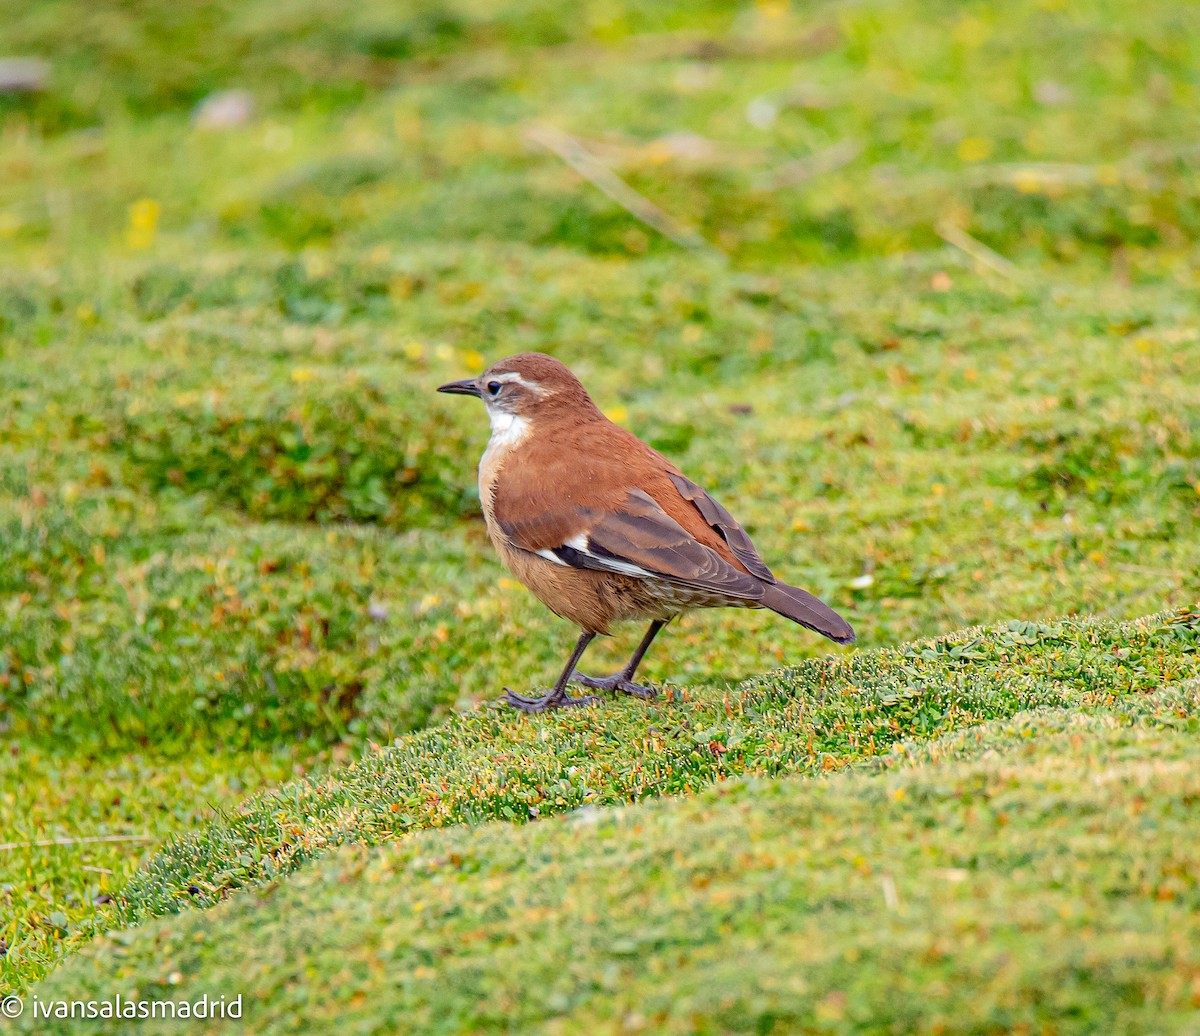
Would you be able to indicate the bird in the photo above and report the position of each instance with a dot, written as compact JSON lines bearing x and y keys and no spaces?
{"x":603,"y":528}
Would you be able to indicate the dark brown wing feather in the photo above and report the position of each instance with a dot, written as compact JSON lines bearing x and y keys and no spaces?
{"x":721,"y":520}
{"x":643,"y":534}
{"x":638,"y":539}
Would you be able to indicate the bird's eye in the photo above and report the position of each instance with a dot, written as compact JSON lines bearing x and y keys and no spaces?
{"x":493,"y":388}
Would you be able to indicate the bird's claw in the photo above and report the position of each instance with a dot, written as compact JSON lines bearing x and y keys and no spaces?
{"x":616,"y":682}
{"x":548,"y":702}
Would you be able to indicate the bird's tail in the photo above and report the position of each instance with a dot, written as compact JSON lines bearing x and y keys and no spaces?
{"x":802,"y":607}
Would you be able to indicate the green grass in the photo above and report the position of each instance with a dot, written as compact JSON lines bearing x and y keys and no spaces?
{"x":194,"y":477}
{"x":80,"y":824}
{"x":1042,"y":872}
{"x":1047,"y":129}
{"x":239,"y":534}
{"x":808,"y":719}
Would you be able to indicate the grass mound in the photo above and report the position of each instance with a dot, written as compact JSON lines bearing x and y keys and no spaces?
{"x":813,"y":718}
{"x":345,"y":453}
{"x":1042,"y":872}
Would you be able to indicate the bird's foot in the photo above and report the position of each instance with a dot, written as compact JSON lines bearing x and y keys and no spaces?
{"x":548,"y":702}
{"x":616,"y":682}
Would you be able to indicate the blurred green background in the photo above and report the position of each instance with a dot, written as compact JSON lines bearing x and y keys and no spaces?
{"x":931,"y":334}
{"x":782,"y":133}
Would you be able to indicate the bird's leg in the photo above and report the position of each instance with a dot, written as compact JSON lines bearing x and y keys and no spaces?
{"x":557,"y":698}
{"x":623,"y":680}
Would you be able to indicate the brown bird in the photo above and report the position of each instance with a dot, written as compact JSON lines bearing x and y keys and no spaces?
{"x":601,"y":527}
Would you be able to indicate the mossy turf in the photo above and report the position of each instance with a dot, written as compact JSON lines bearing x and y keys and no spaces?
{"x":937,"y":459}
{"x":1040,"y":873}
{"x":821,"y":716}
{"x":177,"y":519}
{"x":73,"y":827}
{"x":239,"y":539}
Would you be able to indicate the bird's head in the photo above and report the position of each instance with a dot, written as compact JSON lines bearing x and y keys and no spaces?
{"x":527,"y":389}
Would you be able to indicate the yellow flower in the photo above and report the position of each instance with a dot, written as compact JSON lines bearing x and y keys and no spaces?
{"x":617,"y":414}
{"x":971,"y":32}
{"x":302,"y":374}
{"x":1027,"y":181}
{"x":773,"y":8}
{"x":974,"y":149}
{"x":143,"y":223}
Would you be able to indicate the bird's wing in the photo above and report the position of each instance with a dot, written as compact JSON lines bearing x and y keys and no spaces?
{"x":636,"y":539}
{"x":725,"y":525}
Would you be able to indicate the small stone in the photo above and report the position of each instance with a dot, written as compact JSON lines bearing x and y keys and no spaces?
{"x":225,"y":109}
{"x":23,"y":75}
{"x":586,"y":815}
{"x":1051,"y":94}
{"x":762,"y":112}
{"x":685,"y":145}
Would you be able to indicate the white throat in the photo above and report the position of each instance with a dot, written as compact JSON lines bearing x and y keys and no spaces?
{"x":507,"y":430}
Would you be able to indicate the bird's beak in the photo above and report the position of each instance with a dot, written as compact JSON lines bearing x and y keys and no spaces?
{"x":466,"y":387}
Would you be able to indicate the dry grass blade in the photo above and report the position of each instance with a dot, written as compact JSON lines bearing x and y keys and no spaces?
{"x":817,"y":164}
{"x":977,"y":250}
{"x":587,"y":165}
{"x":46,"y":842}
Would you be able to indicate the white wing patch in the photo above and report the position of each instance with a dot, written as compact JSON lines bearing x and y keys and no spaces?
{"x":580,"y":543}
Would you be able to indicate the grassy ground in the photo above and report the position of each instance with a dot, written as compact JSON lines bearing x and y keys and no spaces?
{"x":239,"y":539}
{"x":1041,"y":875}
{"x":809,"y":719}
